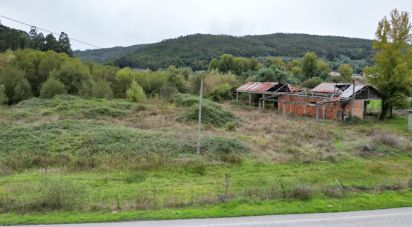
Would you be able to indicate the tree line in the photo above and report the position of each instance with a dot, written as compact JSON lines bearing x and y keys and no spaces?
{"x":14,"y":39}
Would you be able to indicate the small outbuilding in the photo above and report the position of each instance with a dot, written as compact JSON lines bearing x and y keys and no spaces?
{"x":259,"y":92}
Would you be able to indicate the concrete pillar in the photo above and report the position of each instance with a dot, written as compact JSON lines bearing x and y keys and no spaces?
{"x":250,"y":99}
{"x":237,"y":96}
{"x":410,"y":120}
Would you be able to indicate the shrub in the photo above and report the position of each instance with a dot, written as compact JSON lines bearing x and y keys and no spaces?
{"x":231,"y":126}
{"x":186,"y":99}
{"x":101,"y":89}
{"x":388,"y":140}
{"x":3,"y":97}
{"x":221,"y":92}
{"x":211,"y":114}
{"x":311,"y":82}
{"x":332,"y":191}
{"x":135,"y":93}
{"x":168,"y":91}
{"x":231,"y":158}
{"x":51,"y":88}
{"x":302,"y":193}
{"x":16,"y":87}
{"x":221,"y":145}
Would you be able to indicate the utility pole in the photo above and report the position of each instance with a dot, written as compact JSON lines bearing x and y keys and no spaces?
{"x":199,"y":122}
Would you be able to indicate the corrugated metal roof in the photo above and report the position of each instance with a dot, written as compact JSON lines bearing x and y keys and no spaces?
{"x":294,"y":89}
{"x":258,"y":87}
{"x":329,"y":88}
{"x":349,"y":91}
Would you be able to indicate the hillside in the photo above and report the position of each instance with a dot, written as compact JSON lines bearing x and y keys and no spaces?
{"x":106,"y":54}
{"x":197,"y":50}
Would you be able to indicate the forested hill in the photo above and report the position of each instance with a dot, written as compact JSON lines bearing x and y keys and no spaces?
{"x":106,"y":54}
{"x":197,"y":50}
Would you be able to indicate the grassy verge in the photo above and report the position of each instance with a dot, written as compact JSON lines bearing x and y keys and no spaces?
{"x":362,"y":201}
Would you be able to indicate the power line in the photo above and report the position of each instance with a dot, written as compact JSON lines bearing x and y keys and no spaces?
{"x":54,"y":33}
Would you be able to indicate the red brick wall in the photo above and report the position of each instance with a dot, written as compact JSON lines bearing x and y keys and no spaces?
{"x":305,"y":106}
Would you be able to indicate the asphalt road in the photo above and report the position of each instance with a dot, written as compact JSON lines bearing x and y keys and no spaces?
{"x":375,"y":218}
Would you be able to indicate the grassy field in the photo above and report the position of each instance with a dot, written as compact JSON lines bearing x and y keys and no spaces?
{"x":70,"y":159}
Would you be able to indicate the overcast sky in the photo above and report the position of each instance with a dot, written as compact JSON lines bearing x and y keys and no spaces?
{"x":108,"y":23}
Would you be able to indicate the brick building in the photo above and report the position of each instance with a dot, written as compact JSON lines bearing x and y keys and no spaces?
{"x":329,"y":101}
{"x":325,"y":101}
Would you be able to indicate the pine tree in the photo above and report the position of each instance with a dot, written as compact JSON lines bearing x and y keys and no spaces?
{"x":51,"y":43}
{"x":64,"y":44}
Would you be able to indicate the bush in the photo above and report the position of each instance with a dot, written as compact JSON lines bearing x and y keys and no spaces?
{"x":135,"y":93}
{"x":101,"y":89}
{"x":51,"y":88}
{"x":168,"y":91}
{"x":388,"y":140}
{"x":311,"y":82}
{"x":302,"y":193}
{"x":17,"y":88}
{"x":211,"y":114}
{"x":3,"y":97}
{"x":221,"y":145}
{"x":221,"y":92}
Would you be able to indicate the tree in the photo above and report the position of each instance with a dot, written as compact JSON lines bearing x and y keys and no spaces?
{"x":135,"y":93}
{"x":28,"y":60}
{"x":309,"y":65}
{"x":265,"y":75}
{"x":214,"y":63}
{"x":72,"y":73}
{"x":346,"y":72}
{"x":51,"y":43}
{"x":101,"y":89}
{"x":226,"y":63}
{"x":16,"y":87}
{"x":221,"y":92}
{"x":323,"y":69}
{"x":311,"y":82}
{"x":392,"y":72}
{"x":64,"y":44}
{"x":51,"y":88}
{"x":37,"y":39}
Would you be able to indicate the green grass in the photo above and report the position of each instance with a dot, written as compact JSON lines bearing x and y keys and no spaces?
{"x":235,"y":208}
